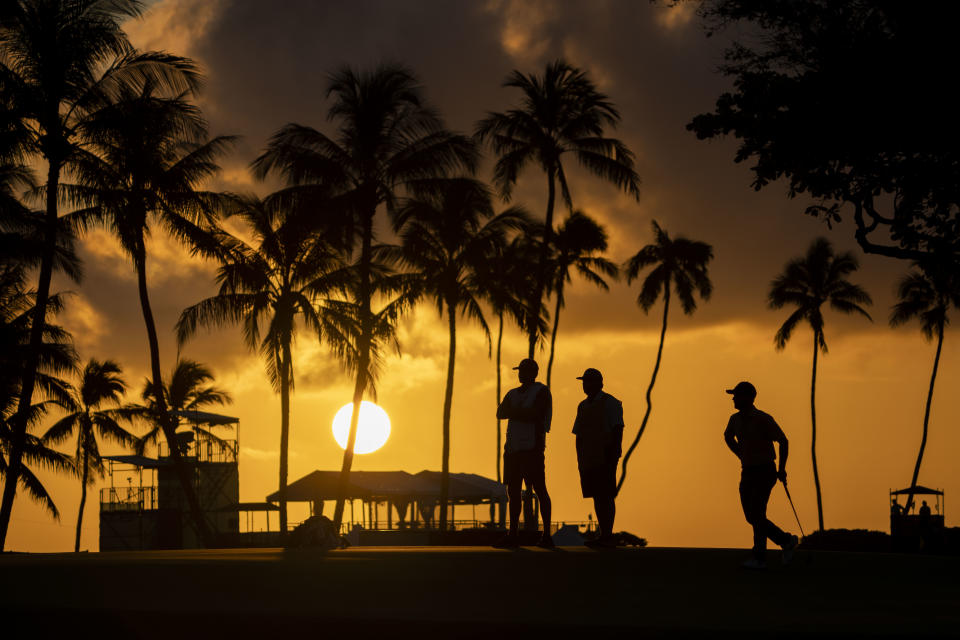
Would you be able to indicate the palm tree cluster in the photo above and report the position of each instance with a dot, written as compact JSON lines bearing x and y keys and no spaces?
{"x":125,"y":148}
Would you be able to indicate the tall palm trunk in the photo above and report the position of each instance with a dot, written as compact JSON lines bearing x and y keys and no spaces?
{"x":813,"y":423}
{"x":83,"y":497}
{"x":653,"y":379}
{"x":166,"y":424}
{"x":499,"y":432}
{"x":447,"y":405}
{"x":926,"y":418}
{"x":29,"y":374}
{"x":553,"y":333}
{"x":284,"y":431}
{"x":533,"y":312}
{"x":363,"y":362}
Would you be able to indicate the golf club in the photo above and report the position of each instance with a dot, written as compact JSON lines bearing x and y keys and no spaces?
{"x":802,"y":534}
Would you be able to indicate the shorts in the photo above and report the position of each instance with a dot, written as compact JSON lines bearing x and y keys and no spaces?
{"x":525,"y":466}
{"x":599,"y":481}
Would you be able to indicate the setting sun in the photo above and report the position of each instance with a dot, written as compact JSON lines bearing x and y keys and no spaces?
{"x":372,"y":431}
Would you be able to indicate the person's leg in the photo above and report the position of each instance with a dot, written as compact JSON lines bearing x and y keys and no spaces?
{"x":513,"y":478}
{"x":515,"y":496}
{"x":606,"y":510}
{"x":754,"y":505}
{"x":778,"y":536}
{"x":537,"y":478}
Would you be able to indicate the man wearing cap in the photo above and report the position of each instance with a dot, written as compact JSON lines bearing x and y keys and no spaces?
{"x":599,"y":431}
{"x":750,"y":434}
{"x":528,"y":410}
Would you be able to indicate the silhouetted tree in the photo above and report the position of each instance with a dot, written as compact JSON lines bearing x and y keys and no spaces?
{"x":681,"y":263}
{"x":807,"y":283}
{"x":575,"y":246}
{"x":101,"y":384}
{"x":148,"y":156}
{"x":927,"y":294}
{"x":387,"y":139}
{"x":561,"y":112}
{"x":447,"y":235}
{"x":506,"y":278}
{"x":55,"y":358}
{"x":185,"y":390}
{"x":270,"y":285}
{"x":806,"y":106}
{"x":60,"y":61}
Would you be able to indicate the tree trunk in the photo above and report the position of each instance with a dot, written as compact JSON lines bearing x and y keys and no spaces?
{"x":553,"y":333}
{"x":447,"y":404}
{"x":926,"y":419}
{"x":363,"y":361}
{"x":499,"y":433}
{"x":29,"y":372}
{"x":533,"y":313}
{"x":653,"y":379}
{"x":813,"y":423}
{"x":166,"y":424}
{"x":83,"y":497}
{"x":284,"y":433}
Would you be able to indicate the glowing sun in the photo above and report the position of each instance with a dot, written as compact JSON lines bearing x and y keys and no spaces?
{"x":372,"y":431}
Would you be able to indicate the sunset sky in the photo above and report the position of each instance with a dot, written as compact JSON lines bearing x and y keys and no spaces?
{"x":267,"y":67}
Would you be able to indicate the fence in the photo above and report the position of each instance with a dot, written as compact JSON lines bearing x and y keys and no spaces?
{"x":128,"y":498}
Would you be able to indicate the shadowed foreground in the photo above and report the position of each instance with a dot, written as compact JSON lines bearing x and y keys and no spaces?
{"x":477,"y":592}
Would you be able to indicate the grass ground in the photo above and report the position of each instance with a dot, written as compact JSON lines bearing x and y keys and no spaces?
{"x":475,"y":592}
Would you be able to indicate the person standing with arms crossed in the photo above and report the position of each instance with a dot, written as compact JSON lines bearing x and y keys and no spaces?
{"x":528,"y":410}
{"x":750,"y":434}
{"x":599,"y":431}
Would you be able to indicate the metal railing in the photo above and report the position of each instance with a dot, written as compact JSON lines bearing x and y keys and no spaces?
{"x":205,"y":450}
{"x":456,"y":525}
{"x":128,"y":498}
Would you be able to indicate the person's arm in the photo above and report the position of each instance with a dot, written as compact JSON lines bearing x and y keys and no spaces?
{"x":731,"y":439}
{"x":616,"y":430}
{"x":541,"y":406}
{"x":504,"y":410}
{"x":784,"y":451}
{"x":537,"y":413}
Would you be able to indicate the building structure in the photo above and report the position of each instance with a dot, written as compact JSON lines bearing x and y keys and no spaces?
{"x":150,"y":510}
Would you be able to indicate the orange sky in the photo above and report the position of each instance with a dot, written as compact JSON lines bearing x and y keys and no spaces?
{"x":266,"y":69}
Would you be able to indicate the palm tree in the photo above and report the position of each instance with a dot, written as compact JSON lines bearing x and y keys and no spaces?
{"x":446,"y":236}
{"x":185,"y":390}
{"x":575,"y":245}
{"x":270,"y":286}
{"x":148,"y":156}
{"x":56,"y":357}
{"x":387,"y":140}
{"x":927,"y":294}
{"x":100,"y":384}
{"x":807,"y":283}
{"x":60,"y":61}
{"x":561,"y":112}
{"x":506,"y":278}
{"x":679,"y":262}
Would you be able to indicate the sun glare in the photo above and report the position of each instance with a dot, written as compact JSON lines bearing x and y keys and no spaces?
{"x":372,"y":430}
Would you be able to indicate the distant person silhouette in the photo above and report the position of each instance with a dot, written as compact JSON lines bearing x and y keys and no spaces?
{"x":895,"y":509}
{"x":750,"y":434}
{"x":924,"y":510}
{"x":599,"y":431}
{"x":528,"y":410}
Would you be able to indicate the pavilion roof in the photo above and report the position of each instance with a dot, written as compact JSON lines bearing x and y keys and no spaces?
{"x":391,"y":485}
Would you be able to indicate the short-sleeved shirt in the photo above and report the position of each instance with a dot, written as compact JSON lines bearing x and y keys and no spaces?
{"x":599,"y":427}
{"x":609,"y":413}
{"x":521,"y":435}
{"x":755,"y":432}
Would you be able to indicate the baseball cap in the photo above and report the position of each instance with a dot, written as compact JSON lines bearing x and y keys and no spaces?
{"x":528,"y":363}
{"x":743,"y":389}
{"x":591,"y":374}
